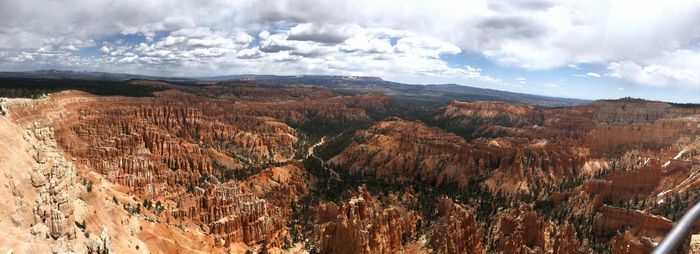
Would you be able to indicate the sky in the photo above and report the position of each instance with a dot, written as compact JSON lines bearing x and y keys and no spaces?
{"x":577,"y":49}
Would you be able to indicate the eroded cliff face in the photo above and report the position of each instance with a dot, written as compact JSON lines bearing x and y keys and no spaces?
{"x":488,"y":119}
{"x":283,"y":186}
{"x":630,"y":111}
{"x":42,"y":193}
{"x":491,"y":110}
{"x":234,"y":167}
{"x":406,"y":151}
{"x":179,"y":160}
{"x":61,"y":206}
{"x":627,"y":124}
{"x":611,"y":220}
{"x":322,"y":115}
{"x":364,"y":225}
{"x":606,"y":126}
{"x":522,"y":230}
{"x":400,"y":151}
{"x":457,"y":230}
{"x":582,"y":160}
{"x":229,"y":214}
{"x":56,"y":179}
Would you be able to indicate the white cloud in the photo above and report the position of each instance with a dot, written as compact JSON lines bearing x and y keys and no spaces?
{"x":320,"y":33}
{"x":588,"y":74}
{"x":654,"y":74}
{"x":203,"y":51}
{"x":673,"y":68}
{"x":105,"y":50}
{"x":646,"y":46}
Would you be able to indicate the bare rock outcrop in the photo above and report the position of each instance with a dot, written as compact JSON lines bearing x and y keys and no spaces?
{"x":457,"y":230}
{"x":229,"y":214}
{"x":404,"y":151}
{"x":521,"y":230}
{"x":488,"y":118}
{"x":629,"y":111}
{"x":99,"y":244}
{"x":280,"y":186}
{"x":611,"y":219}
{"x":566,"y":241}
{"x":362,"y":225}
{"x":55,"y":178}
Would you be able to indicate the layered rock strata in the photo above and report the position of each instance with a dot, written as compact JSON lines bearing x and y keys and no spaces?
{"x":362,"y":225}
{"x":55,"y":178}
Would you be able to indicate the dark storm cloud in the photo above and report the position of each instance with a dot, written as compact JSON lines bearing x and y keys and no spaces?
{"x":327,"y":38}
{"x":310,"y":54}
{"x":274,"y":16}
{"x":511,"y":27}
{"x":533,"y":4}
{"x":327,"y":34}
{"x":520,"y":5}
{"x":294,"y":59}
{"x":381,"y":58}
{"x":274,"y":48}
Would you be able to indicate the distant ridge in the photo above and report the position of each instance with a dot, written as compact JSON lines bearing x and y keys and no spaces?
{"x":68,"y":74}
{"x":437,"y":93}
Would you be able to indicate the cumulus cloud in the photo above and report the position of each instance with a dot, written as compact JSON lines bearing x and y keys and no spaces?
{"x":203,"y":51}
{"x":654,"y":74}
{"x":318,"y":33}
{"x":677,"y":67}
{"x":645,"y":46}
{"x":593,"y":74}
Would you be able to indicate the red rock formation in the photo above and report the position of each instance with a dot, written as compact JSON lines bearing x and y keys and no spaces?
{"x":403,"y":151}
{"x":229,"y":214}
{"x":629,"y":244}
{"x":163,"y":148}
{"x":566,"y":242}
{"x":281,"y":186}
{"x":158,"y":148}
{"x":99,"y":244}
{"x":611,"y":219}
{"x":520,"y":230}
{"x":629,"y":111}
{"x":491,"y":110}
{"x":487,"y":118}
{"x":55,"y":179}
{"x":605,"y":126}
{"x":179,"y":145}
{"x":456,"y":231}
{"x":334,"y":110}
{"x":361,"y":225}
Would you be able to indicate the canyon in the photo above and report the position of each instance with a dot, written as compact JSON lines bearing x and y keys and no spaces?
{"x":248,"y":166}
